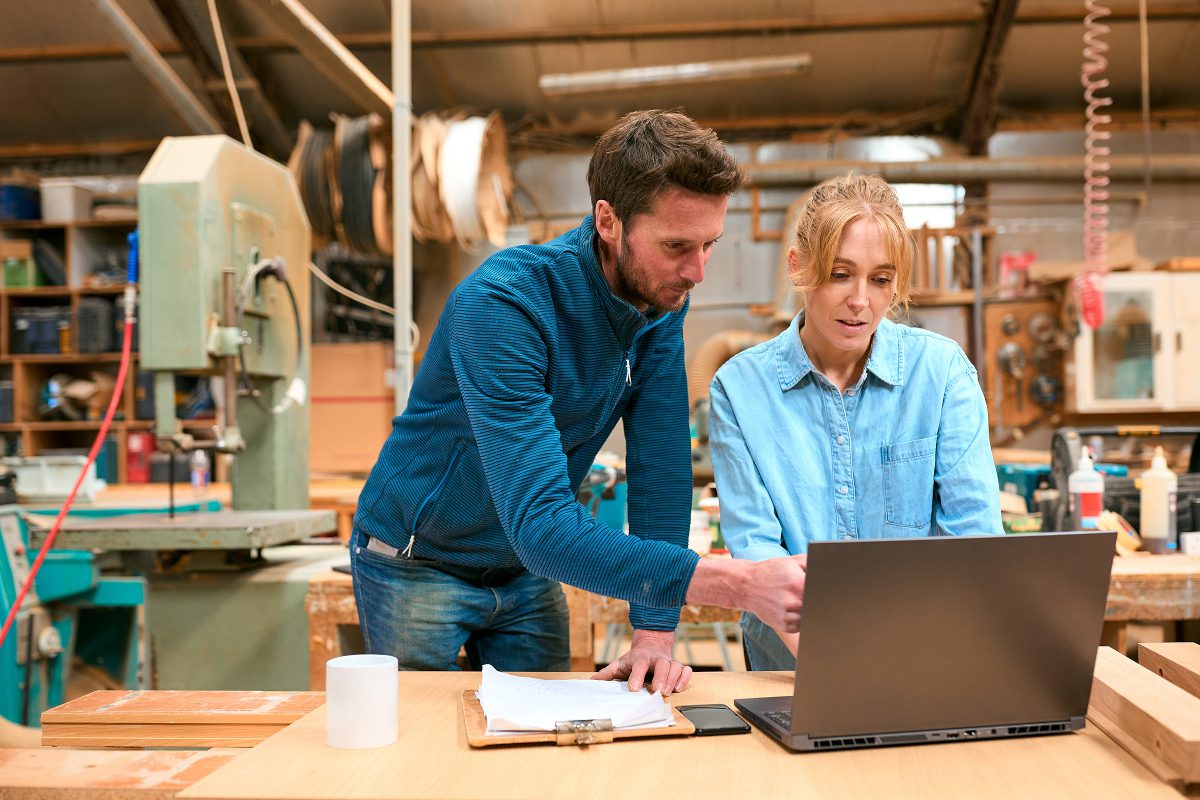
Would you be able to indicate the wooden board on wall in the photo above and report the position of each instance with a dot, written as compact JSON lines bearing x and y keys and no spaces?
{"x":1010,"y":404}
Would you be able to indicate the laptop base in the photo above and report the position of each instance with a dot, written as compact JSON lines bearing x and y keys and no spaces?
{"x":769,"y":713}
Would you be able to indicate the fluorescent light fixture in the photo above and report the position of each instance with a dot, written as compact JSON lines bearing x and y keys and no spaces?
{"x":671,"y":74}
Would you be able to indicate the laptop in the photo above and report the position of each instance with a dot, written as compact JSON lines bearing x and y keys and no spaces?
{"x":943,"y":639}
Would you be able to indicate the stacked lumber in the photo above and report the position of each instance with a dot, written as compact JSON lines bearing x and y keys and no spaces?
{"x":174,"y":718}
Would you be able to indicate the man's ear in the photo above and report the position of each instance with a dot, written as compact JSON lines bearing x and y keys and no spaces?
{"x":608,"y":227}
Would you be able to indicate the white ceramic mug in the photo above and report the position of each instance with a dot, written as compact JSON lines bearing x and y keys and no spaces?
{"x":360,"y":701}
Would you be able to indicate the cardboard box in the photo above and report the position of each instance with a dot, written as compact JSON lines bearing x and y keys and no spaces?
{"x":353,"y":401}
{"x":20,"y":270}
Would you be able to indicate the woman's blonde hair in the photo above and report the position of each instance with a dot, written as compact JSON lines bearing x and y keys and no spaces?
{"x":829,"y":210}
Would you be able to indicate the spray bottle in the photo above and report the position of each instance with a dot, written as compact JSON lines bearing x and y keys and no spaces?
{"x":1085,"y":489}
{"x":1158,"y":522}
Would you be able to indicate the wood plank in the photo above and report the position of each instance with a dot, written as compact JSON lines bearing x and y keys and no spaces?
{"x":432,"y":760}
{"x":198,"y":707}
{"x":328,"y":603}
{"x":1156,"y":721}
{"x":1179,"y":264}
{"x":174,"y":718}
{"x":176,"y":734}
{"x":977,"y":116}
{"x":332,"y":58}
{"x":582,"y":639}
{"x":177,"y":94}
{"x":1178,"y":662}
{"x":50,"y":774}
{"x":1154,"y":587}
{"x":1113,"y":634}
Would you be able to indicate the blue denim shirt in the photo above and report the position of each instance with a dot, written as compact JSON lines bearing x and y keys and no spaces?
{"x":904,"y":452}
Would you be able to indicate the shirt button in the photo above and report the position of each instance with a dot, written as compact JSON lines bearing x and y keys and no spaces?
{"x":844,"y":489}
{"x":841,"y":440}
{"x":850,"y":393}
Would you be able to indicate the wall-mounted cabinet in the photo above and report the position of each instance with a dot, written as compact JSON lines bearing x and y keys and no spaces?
{"x":1144,"y":357}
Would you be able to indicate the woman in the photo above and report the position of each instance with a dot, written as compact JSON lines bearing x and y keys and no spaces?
{"x":846,"y":425}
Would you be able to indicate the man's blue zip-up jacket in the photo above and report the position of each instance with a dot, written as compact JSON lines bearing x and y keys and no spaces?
{"x":532,"y":363}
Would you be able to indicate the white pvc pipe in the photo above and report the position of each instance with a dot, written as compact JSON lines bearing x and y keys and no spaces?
{"x":402,"y":196}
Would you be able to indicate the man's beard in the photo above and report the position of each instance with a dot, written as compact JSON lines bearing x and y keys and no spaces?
{"x":635,"y":286}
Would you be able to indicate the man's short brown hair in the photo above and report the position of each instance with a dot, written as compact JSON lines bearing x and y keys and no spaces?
{"x":648,"y":152}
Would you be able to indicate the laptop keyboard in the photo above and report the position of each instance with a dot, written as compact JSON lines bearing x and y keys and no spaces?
{"x":783,"y":718}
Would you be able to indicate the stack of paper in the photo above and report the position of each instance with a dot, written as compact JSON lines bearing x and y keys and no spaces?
{"x":531,"y":704}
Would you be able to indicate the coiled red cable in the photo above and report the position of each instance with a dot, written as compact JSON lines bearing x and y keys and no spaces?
{"x":1089,"y":285}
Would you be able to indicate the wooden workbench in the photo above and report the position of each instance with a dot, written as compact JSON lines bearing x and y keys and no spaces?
{"x":431,"y":760}
{"x":1148,"y":587}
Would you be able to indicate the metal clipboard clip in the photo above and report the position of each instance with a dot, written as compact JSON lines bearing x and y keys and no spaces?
{"x":583,"y":731}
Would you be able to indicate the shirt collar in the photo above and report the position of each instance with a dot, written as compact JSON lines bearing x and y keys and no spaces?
{"x":885,"y":362}
{"x":625,"y":319}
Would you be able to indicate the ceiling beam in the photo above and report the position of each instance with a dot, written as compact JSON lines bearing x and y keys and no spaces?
{"x":158,"y":72}
{"x":824,"y":127}
{"x":1042,"y":169}
{"x":327,"y":54}
{"x":173,"y":15}
{"x":379,"y":40}
{"x":122,"y":147}
{"x":977,"y":117}
{"x":758,"y":28}
{"x":192,"y":25}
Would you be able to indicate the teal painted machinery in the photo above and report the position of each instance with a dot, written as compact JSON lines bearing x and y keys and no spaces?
{"x":71,"y":610}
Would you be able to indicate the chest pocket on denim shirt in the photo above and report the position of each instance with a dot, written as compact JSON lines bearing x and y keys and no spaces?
{"x":908,"y":482}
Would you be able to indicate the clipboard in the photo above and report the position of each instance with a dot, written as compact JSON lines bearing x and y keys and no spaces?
{"x":572,"y":732}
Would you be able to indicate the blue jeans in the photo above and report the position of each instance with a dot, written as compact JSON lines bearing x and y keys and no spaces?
{"x":764,"y":649}
{"x":422,"y":615}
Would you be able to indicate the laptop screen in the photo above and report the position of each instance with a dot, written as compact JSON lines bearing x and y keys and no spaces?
{"x":926,"y":633}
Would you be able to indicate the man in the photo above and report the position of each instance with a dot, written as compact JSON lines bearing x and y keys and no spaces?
{"x":469,"y":520}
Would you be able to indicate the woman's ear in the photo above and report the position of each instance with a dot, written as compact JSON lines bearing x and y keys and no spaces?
{"x":793,"y":267}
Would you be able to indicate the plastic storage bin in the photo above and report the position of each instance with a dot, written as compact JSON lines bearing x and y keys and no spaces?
{"x":63,"y":200}
{"x":50,"y":478}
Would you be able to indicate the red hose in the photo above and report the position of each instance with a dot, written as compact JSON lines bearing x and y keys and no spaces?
{"x":126,"y":347}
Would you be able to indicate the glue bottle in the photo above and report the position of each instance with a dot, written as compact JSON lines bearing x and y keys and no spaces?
{"x":1158,"y":522}
{"x":1085,"y":489}
{"x":199,"y":465}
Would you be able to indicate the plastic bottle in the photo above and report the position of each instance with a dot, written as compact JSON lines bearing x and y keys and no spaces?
{"x":199,"y":464}
{"x":1159,"y":486}
{"x":1085,"y":489}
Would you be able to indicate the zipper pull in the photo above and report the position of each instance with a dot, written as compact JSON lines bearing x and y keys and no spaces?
{"x":407,"y":552}
{"x":628,"y":374}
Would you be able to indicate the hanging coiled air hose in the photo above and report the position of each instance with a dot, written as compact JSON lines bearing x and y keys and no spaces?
{"x":1089,"y":285}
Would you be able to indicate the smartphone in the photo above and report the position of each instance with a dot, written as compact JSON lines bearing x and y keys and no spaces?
{"x":714,"y":719}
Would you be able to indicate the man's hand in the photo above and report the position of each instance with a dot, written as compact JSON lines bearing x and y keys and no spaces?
{"x":650,"y":652}
{"x":772,"y":589}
